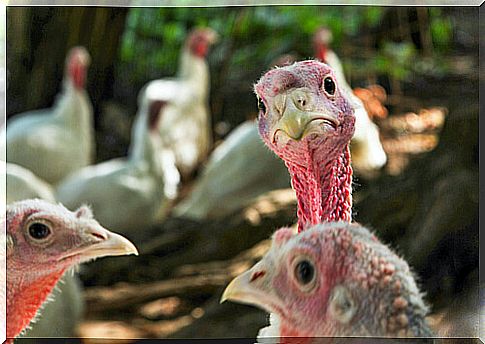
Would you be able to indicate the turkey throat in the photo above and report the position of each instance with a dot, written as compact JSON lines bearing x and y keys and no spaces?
{"x":323,"y":184}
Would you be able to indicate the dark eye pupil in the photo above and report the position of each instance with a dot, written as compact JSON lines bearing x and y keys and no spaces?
{"x":329,"y":85}
{"x":39,"y":231}
{"x":305,"y":272}
{"x":261,"y":106}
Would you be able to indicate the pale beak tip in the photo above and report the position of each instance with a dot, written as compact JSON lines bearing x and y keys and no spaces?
{"x":120,"y":245}
{"x":131,"y":248}
{"x":224,"y":297}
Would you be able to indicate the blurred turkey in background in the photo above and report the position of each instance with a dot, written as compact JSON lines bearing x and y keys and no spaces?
{"x":414,"y":71}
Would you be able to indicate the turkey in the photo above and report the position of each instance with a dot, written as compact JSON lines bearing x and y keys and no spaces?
{"x":131,"y":193}
{"x":335,"y":279}
{"x":238,"y":170}
{"x":55,"y":142}
{"x":185,"y":120}
{"x":308,"y":121}
{"x":43,"y":241}
{"x":367,"y":151}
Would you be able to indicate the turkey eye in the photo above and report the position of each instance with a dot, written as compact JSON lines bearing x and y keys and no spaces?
{"x":39,"y":231}
{"x":329,"y":85}
{"x":261,"y":106}
{"x":304,"y":272}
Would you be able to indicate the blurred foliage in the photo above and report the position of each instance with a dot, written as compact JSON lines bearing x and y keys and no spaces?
{"x":441,"y":29}
{"x":256,"y":34}
{"x":376,"y":44}
{"x":262,"y":33}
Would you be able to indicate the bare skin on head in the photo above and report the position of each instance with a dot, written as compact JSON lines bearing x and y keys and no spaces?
{"x":334,"y":279}
{"x":77,"y":64}
{"x":43,"y":241}
{"x":308,"y":121}
{"x":200,"y":40}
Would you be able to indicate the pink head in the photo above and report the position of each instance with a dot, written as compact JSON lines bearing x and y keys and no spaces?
{"x":302,"y":107}
{"x":321,"y":42}
{"x":334,"y":279}
{"x":43,"y":241}
{"x":200,"y":40}
{"x":77,"y":64}
{"x":307,"y":121}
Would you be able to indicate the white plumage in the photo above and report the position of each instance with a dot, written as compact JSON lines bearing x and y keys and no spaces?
{"x":60,"y":316}
{"x":185,"y":122}
{"x":56,"y":141}
{"x":240,"y":169}
{"x":128,"y":194}
{"x":23,"y":184}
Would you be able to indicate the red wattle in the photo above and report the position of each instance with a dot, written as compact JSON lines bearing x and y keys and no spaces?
{"x":78,"y":75}
{"x":323,"y":189}
{"x":24,"y":304}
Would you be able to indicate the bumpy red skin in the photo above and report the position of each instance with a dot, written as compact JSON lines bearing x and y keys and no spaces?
{"x":319,"y":164}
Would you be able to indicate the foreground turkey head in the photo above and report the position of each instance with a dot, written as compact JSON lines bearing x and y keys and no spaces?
{"x":44,"y":237}
{"x":334,"y":279}
{"x":200,"y":40}
{"x":44,"y":240}
{"x":303,"y":109}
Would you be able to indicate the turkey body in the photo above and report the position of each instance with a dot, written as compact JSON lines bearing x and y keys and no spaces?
{"x":118,"y":191}
{"x":53,"y":142}
{"x":184,"y":123}
{"x":239,"y":170}
{"x":23,"y":184}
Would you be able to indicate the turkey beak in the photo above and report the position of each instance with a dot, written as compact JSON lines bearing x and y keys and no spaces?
{"x":297,"y":110}
{"x":253,"y":287}
{"x":212,"y":37}
{"x":99,"y":242}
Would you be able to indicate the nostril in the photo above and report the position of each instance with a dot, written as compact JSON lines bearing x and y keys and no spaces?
{"x":257,"y":275}
{"x":301,"y":100}
{"x":98,"y":235}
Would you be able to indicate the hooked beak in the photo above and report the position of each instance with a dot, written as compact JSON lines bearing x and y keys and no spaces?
{"x":298,"y":112}
{"x":100,"y":242}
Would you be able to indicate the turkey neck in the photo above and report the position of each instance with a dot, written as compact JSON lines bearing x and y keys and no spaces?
{"x":323,"y":187}
{"x":146,"y":143}
{"x":25,"y":297}
{"x":194,"y":70}
{"x":74,"y":109}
